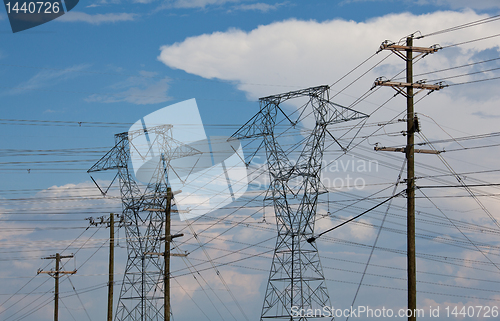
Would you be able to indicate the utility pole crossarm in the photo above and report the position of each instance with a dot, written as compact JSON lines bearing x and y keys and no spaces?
{"x":53,"y":257}
{"x":397,"y":49}
{"x":394,"y":47}
{"x":405,"y":84}
{"x":53,"y":273}
{"x":163,"y":254}
{"x":56,"y":274}
{"x":400,"y":86}
{"x":407,"y":89}
{"x":111,"y":224}
{"x":403,"y":150}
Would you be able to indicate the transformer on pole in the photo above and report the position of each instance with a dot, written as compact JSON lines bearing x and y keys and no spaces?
{"x":296,"y":278}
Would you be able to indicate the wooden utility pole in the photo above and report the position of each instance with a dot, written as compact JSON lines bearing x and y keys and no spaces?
{"x":111,"y":224}
{"x":111,"y":265}
{"x":56,"y":274}
{"x":410,"y":180}
{"x":166,"y":256}
{"x":409,"y":150}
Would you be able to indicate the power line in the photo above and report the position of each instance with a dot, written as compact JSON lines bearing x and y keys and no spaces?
{"x":473,"y":81}
{"x":452,"y":68}
{"x":377,"y":237}
{"x":471,"y":41}
{"x":462,"y":26}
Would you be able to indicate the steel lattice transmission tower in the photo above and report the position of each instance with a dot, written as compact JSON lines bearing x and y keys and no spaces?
{"x":142,"y":292}
{"x":296,"y":277}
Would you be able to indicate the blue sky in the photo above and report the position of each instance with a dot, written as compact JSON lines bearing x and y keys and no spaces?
{"x":108,"y":63}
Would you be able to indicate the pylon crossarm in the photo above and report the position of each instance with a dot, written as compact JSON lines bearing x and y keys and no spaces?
{"x":279,"y":98}
{"x":252,"y":128}
{"x":111,"y":160}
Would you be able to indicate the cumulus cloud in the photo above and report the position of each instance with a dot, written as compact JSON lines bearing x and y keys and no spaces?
{"x":304,"y":53}
{"x":52,"y":221}
{"x":293,"y":54}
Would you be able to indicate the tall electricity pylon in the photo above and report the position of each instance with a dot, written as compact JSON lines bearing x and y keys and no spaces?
{"x":142,"y":292}
{"x":296,"y":278}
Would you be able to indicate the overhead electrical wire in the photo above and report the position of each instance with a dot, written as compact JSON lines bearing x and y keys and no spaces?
{"x":248,"y":245}
{"x":432,"y":257}
{"x":473,"y":81}
{"x":47,"y":278}
{"x":471,"y":41}
{"x":219,"y":274}
{"x":377,"y":237}
{"x":194,"y":301}
{"x":459,"y":179}
{"x":242,"y":224}
{"x":452,"y":68}
{"x":50,"y":299}
{"x":350,"y":271}
{"x":190,"y":268}
{"x":29,"y":281}
{"x":260,"y":254}
{"x":64,"y":305}
{"x":462,"y":26}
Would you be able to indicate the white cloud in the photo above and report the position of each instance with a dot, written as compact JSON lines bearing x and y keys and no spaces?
{"x":143,"y":1}
{"x":452,"y":4}
{"x":96,"y":19}
{"x":360,"y":230}
{"x":26,"y":241}
{"x":137,"y":90}
{"x":460,"y":4}
{"x":354,"y":1}
{"x":199,"y":3}
{"x":305,"y":53}
{"x":264,"y":7}
{"x":46,"y":78}
{"x":295,"y":54}
{"x":189,"y":4}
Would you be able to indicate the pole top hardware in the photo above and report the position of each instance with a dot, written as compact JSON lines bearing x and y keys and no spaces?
{"x":388,"y":45}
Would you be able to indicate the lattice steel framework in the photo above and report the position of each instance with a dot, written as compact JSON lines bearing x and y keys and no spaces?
{"x":141,"y":295}
{"x":296,"y":278}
